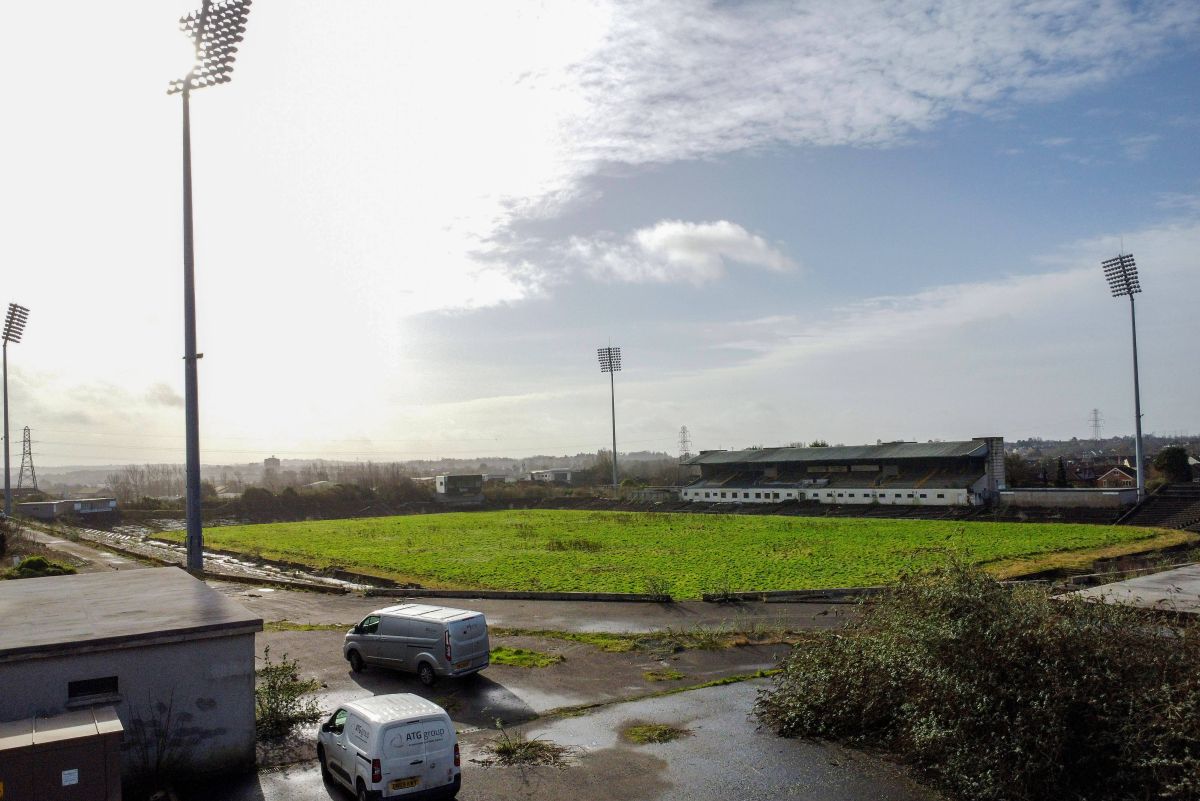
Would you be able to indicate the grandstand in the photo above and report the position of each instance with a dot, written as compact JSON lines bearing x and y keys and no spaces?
{"x":964,"y":473}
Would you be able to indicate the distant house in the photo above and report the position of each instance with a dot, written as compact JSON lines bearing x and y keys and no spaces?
{"x":52,"y":510}
{"x":1118,"y":477}
{"x":553,"y":476}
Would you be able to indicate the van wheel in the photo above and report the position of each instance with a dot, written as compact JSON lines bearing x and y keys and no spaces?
{"x":362,"y":791}
{"x":321,"y":760}
{"x":425,"y":674}
{"x":356,"y":662}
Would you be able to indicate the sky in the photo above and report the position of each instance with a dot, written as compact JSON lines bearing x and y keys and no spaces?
{"x":416,"y":222}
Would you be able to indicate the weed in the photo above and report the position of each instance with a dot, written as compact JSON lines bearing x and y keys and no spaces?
{"x":575,"y":544}
{"x":666,"y":674}
{"x":281,"y":701}
{"x":644,"y":733}
{"x":287,"y":625}
{"x":516,"y":750}
{"x":521,"y":657}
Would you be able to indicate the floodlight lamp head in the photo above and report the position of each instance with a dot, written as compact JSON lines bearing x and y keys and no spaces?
{"x":14,"y":322}
{"x":1122,"y":275}
{"x":214,"y":30}
{"x":610,"y":359}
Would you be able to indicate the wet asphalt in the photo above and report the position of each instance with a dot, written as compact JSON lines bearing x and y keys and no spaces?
{"x":724,"y":756}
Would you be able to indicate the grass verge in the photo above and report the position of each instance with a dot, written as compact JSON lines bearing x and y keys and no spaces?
{"x":287,"y":625}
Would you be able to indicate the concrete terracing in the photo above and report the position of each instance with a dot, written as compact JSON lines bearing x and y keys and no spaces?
{"x":1175,"y":591}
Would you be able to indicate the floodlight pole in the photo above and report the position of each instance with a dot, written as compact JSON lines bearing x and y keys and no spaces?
{"x":612,"y":387}
{"x":195,"y":536}
{"x":215,"y":30}
{"x":14,"y":328}
{"x":7,"y":484}
{"x":1122,"y":276}
{"x":1137,"y":409}
{"x":610,"y":362}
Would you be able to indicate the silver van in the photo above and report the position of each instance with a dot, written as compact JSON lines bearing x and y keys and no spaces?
{"x":431,"y":641}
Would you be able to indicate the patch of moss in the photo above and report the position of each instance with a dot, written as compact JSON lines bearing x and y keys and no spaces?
{"x":666,"y":674}
{"x":645,"y":733}
{"x":522,"y":657}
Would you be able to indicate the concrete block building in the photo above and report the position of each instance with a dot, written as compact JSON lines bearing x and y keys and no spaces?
{"x":174,"y":657}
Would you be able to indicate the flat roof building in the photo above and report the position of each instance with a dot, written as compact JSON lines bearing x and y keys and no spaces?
{"x":174,"y":657}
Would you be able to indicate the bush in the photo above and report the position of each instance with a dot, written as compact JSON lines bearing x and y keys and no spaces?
{"x":38,"y":567}
{"x":281,"y":701}
{"x":1004,"y":693}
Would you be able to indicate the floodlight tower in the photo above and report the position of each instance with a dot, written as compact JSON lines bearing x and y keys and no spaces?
{"x":215,"y":30}
{"x":14,"y":326}
{"x":610,"y":362}
{"x":1122,"y":275}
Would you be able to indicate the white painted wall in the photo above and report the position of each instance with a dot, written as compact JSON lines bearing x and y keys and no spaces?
{"x":834,"y":495}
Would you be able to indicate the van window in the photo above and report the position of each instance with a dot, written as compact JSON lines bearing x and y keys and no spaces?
{"x":407,"y":740}
{"x":467,"y":630}
{"x":337,"y":723}
{"x":369,"y":625}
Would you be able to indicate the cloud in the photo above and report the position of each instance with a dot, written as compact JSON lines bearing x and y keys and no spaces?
{"x":676,"y":251}
{"x":1138,"y":147}
{"x":163,"y":395}
{"x":1164,"y":253}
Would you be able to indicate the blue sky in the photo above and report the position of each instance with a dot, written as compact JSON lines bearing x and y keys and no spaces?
{"x":415,"y":224}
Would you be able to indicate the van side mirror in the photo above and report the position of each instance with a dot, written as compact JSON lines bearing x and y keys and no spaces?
{"x":356,"y":630}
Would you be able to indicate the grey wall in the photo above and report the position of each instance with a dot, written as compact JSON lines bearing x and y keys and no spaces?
{"x":1100,"y":498}
{"x":200,"y":693}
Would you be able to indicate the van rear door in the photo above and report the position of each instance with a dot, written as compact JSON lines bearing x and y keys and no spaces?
{"x":469,"y":646}
{"x":417,"y":755}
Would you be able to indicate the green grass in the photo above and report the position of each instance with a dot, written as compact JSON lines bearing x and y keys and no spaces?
{"x":627,"y":551}
{"x":522,"y":657}
{"x":666,"y":674}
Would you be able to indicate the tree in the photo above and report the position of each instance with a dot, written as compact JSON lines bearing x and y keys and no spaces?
{"x":818,"y":443}
{"x":1060,"y":475}
{"x":1017,"y":471}
{"x":1172,"y":462}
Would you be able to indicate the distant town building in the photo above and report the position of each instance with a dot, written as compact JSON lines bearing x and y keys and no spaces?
{"x":552,"y":476}
{"x":461,"y":488}
{"x":52,"y":510}
{"x":1118,"y":477}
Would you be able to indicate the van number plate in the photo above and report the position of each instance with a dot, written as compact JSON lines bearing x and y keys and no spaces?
{"x":461,"y":665}
{"x":400,"y":784}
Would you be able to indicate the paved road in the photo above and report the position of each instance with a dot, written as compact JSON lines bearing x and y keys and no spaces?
{"x":98,"y":560}
{"x":593,"y":616}
{"x":726,"y":757}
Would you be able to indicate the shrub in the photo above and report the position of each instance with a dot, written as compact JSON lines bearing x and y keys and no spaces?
{"x":1004,"y":693}
{"x":281,"y":701}
{"x":37,"y":567}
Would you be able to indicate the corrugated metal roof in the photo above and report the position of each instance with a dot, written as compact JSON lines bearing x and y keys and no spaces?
{"x":843,"y":453}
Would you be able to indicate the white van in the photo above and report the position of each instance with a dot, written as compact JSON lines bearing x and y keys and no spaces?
{"x":430,"y":641}
{"x":391,"y":746}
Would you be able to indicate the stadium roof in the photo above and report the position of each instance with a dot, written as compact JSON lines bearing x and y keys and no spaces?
{"x":846,"y":453}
